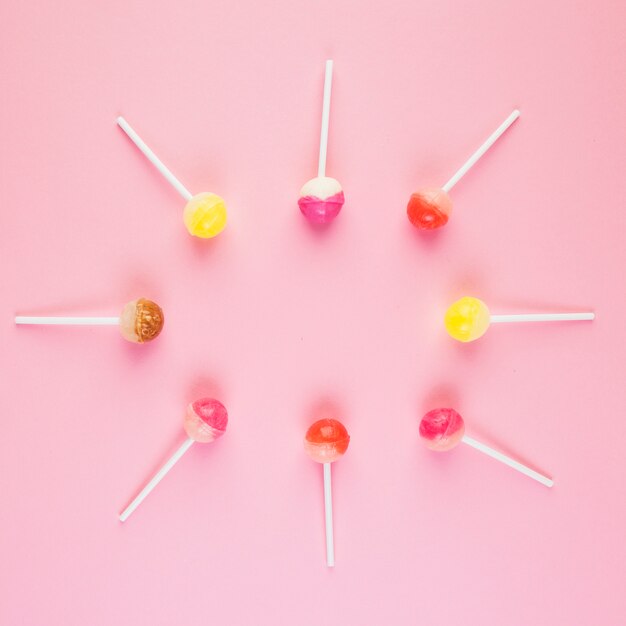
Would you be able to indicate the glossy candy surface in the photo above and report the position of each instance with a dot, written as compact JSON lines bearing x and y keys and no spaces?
{"x":442,"y":429}
{"x":467,"y":319}
{"x":206,"y":420}
{"x":205,"y":215}
{"x":321,"y":199}
{"x":326,"y":440}
{"x":429,"y":208}
{"x":141,"y":321}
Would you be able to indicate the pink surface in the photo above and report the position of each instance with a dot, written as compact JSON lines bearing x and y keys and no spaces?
{"x":280,"y":321}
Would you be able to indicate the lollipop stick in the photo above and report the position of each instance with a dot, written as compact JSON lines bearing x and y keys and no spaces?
{"x":153,"y":158}
{"x":328,"y":509}
{"x":328,"y":79}
{"x":68,"y":321}
{"x":474,"y":158}
{"x":156,"y":479}
{"x":544,"y":480}
{"x":542,"y":317}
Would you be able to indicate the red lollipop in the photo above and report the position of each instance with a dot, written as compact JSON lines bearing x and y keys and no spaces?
{"x":430,"y":208}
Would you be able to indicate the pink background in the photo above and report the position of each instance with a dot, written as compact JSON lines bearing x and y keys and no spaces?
{"x":283,"y":323}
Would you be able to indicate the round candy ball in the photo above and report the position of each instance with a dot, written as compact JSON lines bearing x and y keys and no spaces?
{"x":326,"y":440}
{"x":205,"y":215}
{"x":321,"y":199}
{"x":442,"y":429}
{"x":141,"y":321}
{"x":467,"y":319}
{"x":206,"y":420}
{"x":429,"y":208}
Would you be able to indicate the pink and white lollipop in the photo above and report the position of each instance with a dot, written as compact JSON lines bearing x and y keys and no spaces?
{"x":321,"y":198}
{"x":205,"y":421}
{"x":443,"y":429}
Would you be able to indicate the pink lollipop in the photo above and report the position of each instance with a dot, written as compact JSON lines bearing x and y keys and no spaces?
{"x":321,"y":198}
{"x":326,"y":441}
{"x":205,"y":421}
{"x":443,"y":429}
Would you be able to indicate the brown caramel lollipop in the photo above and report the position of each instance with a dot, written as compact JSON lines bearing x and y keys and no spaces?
{"x":141,"y":321}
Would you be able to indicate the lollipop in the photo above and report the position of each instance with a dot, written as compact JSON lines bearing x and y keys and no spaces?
{"x":443,"y":429}
{"x":325,"y":441}
{"x":141,"y":321}
{"x":430,"y":208}
{"x":205,"y":421}
{"x":205,"y":213}
{"x":321,"y":198}
{"x":468,"y":319}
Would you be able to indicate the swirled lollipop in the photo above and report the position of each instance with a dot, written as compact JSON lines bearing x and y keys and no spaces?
{"x":141,"y":321}
{"x":469,"y":318}
{"x":443,"y":429}
{"x":430,"y":207}
{"x":326,"y":441}
{"x":321,"y":198}
{"x":205,"y":213}
{"x":205,"y":421}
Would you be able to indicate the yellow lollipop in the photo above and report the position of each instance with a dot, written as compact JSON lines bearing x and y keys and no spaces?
{"x":468,"y":319}
{"x":205,"y":213}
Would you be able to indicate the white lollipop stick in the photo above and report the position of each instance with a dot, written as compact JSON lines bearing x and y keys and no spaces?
{"x":328,"y":510}
{"x":156,"y":479}
{"x":474,"y":158}
{"x":153,"y":158}
{"x":328,"y":79}
{"x":494,"y":454}
{"x":68,"y":321}
{"x":542,"y":317}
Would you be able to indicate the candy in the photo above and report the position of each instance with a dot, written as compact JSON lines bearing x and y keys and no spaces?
{"x":468,"y":318}
{"x":430,"y":208}
{"x":326,"y":441}
{"x":321,"y":198}
{"x":205,"y":421}
{"x":443,"y":429}
{"x":204,"y":214}
{"x":141,"y":321}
